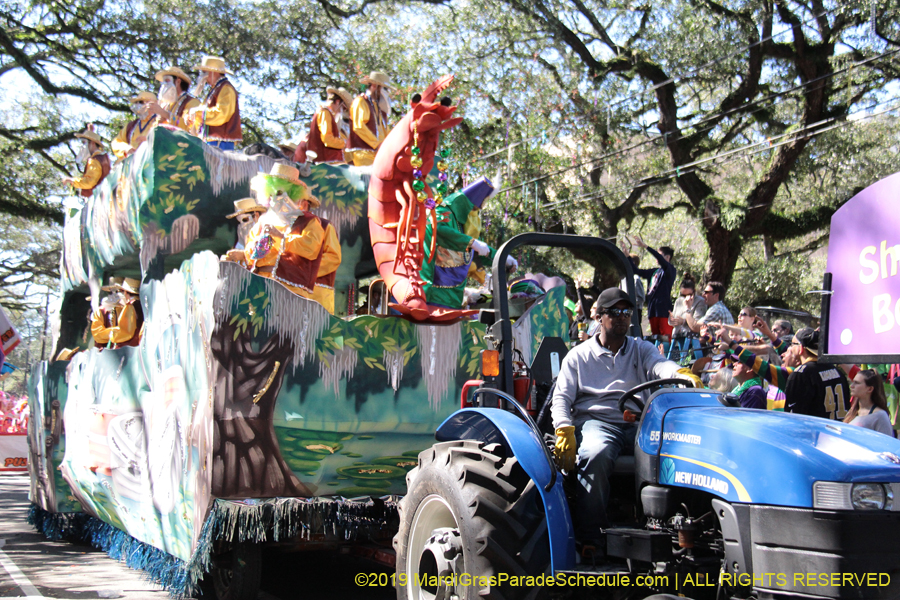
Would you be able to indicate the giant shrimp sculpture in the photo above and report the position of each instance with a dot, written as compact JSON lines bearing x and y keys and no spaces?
{"x":398,"y":212}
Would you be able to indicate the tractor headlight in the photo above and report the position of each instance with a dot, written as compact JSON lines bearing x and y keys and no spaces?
{"x":870,"y":496}
{"x":832,"y":495}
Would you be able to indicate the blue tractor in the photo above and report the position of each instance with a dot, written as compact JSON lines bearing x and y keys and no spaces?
{"x":717,"y":502}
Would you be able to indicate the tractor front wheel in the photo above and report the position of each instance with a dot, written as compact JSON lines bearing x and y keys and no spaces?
{"x":471,"y":521}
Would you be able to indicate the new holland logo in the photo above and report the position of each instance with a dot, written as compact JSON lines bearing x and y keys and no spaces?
{"x":668,"y":474}
{"x":667,"y":471}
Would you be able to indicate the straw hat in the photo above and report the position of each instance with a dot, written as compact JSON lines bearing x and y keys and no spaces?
{"x":286,"y":172}
{"x":115,"y":283}
{"x":67,"y":353}
{"x":341,"y":93}
{"x":90,"y":134}
{"x":246,"y":205}
{"x":132,"y":286}
{"x":287,"y":146}
{"x":291,"y":175}
{"x":143,"y":97}
{"x":174,"y":72}
{"x":215,"y":64}
{"x":378,"y":78}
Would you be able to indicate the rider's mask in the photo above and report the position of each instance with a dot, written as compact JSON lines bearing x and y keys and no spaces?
{"x":200,"y":84}
{"x":168,"y":93}
{"x":140,"y":109}
{"x":84,"y":153}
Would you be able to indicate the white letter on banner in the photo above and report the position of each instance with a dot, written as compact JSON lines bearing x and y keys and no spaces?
{"x":885,"y":253}
{"x":868,"y":264}
{"x":881,"y":312}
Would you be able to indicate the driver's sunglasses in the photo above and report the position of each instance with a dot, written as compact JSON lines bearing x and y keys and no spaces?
{"x":619,"y":312}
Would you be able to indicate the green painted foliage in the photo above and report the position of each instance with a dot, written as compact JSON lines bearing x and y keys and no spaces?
{"x":334,"y":189}
{"x":176,"y":178}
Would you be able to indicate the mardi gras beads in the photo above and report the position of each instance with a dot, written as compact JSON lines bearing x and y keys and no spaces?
{"x":419,"y":176}
{"x":262,"y":247}
{"x":416,"y":162}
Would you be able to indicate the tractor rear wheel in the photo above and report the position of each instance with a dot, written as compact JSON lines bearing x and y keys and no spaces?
{"x":471,"y":520}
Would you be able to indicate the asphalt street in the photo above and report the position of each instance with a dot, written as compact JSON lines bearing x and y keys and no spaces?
{"x":34,"y":567}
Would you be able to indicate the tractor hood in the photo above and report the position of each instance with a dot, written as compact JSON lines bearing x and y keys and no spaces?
{"x":758,"y":456}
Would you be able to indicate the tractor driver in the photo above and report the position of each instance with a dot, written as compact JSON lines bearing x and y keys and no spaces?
{"x":591,"y":431}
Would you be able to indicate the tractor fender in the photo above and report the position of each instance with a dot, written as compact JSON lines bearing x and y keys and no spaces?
{"x":495,"y":426}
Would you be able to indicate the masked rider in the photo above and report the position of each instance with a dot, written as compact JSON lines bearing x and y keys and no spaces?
{"x":217,"y":120}
{"x":95,"y":161}
{"x":370,"y":112}
{"x":289,"y":243}
{"x":136,"y":131}
{"x":247,"y":212}
{"x":173,"y":100}
{"x":324,"y":131}
{"x":119,"y":319}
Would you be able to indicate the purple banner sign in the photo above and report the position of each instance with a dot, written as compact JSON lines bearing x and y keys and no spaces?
{"x":864,"y":260}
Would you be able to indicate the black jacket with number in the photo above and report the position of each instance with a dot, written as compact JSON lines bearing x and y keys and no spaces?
{"x":818,"y":389}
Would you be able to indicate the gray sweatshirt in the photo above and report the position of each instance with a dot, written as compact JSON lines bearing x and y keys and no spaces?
{"x":879,"y":421}
{"x":591,"y":379}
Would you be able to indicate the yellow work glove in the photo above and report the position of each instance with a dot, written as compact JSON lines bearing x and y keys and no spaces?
{"x":686,"y":373}
{"x":565,"y":447}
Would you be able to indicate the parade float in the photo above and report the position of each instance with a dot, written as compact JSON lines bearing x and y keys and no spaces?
{"x":246,"y":414}
{"x":13,"y":409}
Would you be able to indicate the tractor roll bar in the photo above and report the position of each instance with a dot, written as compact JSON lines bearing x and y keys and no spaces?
{"x":552,"y":240}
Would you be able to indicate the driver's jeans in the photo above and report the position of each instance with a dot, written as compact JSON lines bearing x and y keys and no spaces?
{"x":599,"y":444}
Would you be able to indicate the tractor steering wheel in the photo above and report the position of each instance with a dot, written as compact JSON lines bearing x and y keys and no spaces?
{"x":632,"y":393}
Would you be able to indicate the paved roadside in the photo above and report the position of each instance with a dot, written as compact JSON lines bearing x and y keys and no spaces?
{"x":34,"y":567}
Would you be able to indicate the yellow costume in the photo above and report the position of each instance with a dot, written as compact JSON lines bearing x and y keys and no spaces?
{"x":367,"y":128}
{"x":114,"y":328}
{"x":132,"y":135}
{"x":178,"y":111}
{"x":327,"y":130}
{"x":305,"y":244}
{"x":331,"y":260}
{"x":221,"y":113}
{"x":93,"y":172}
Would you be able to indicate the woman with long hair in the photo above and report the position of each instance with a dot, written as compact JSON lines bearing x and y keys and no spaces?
{"x":869,"y":408}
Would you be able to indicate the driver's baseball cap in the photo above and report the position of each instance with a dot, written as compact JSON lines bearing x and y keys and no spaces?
{"x":612,"y":296}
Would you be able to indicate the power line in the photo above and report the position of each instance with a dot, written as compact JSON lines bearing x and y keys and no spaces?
{"x":674,"y":79}
{"x":738,"y":153}
{"x":735,"y":154}
{"x":665,"y":136}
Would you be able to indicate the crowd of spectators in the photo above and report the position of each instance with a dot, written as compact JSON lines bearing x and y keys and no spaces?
{"x":764,"y":367}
